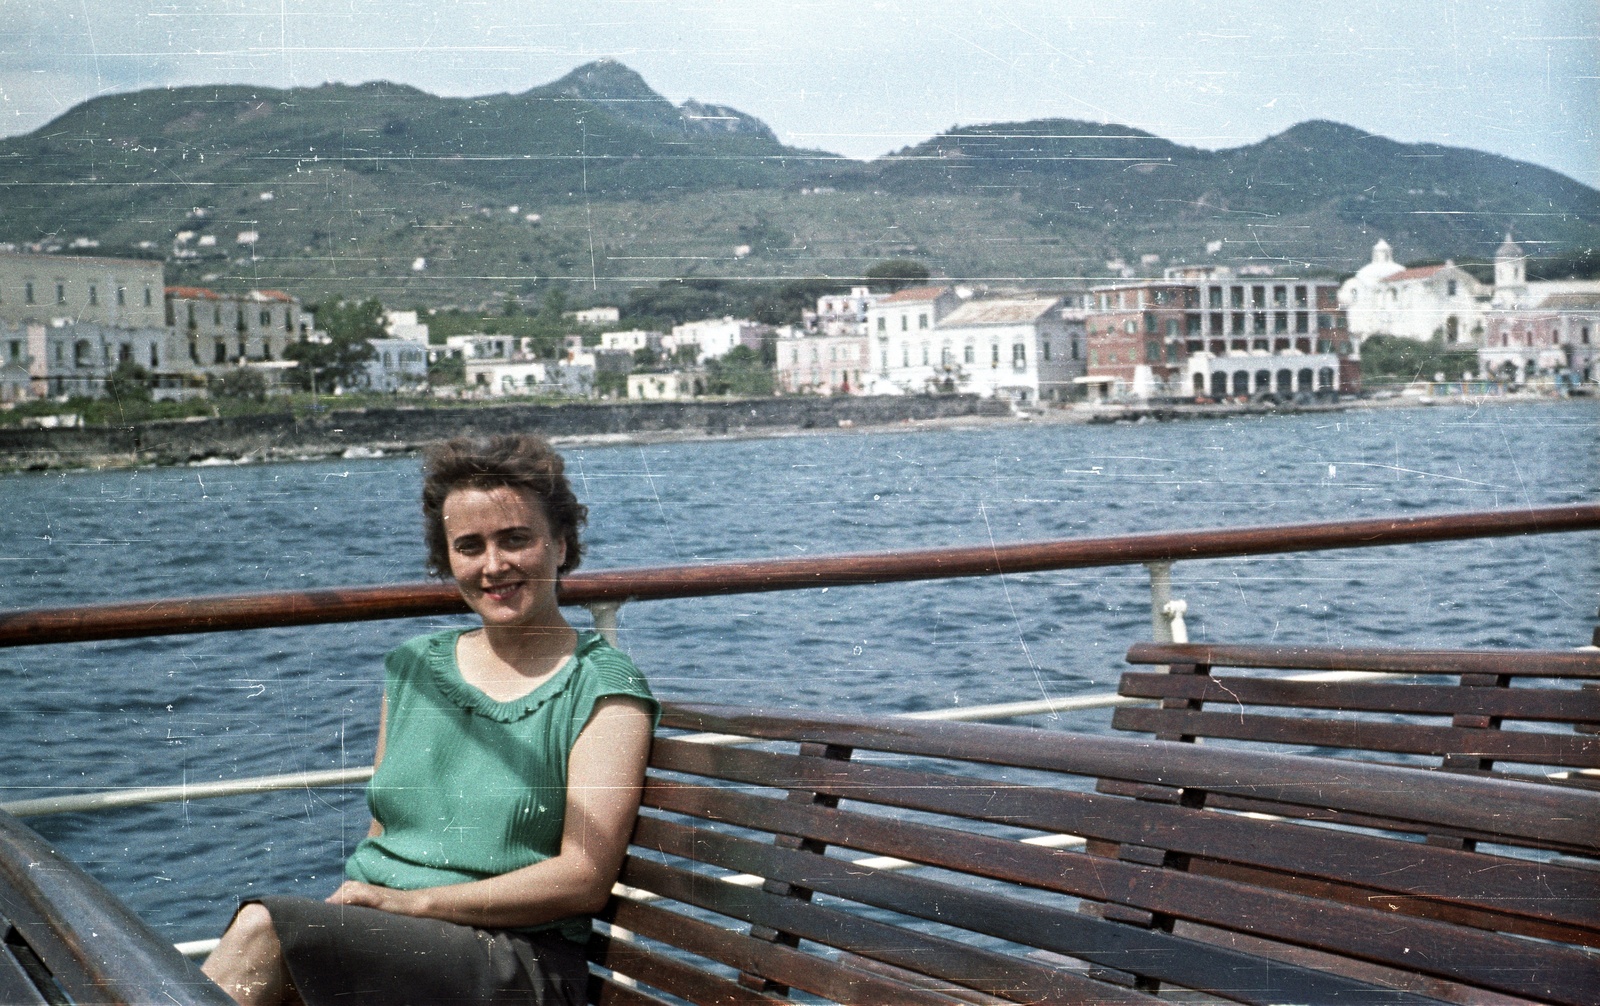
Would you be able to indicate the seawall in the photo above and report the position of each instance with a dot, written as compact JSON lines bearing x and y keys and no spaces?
{"x":278,"y":436}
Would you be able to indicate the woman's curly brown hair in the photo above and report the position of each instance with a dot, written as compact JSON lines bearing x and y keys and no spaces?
{"x":520,"y":461}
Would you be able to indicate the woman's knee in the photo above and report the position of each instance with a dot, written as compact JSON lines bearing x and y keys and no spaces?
{"x":254,"y":921}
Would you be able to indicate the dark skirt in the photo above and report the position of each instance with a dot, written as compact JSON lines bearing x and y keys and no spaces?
{"x":340,"y":955}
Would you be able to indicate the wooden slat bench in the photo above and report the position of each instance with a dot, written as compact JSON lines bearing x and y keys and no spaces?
{"x":776,"y":872}
{"x":1457,"y":715}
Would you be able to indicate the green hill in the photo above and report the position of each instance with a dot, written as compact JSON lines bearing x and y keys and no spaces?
{"x":347,"y":187}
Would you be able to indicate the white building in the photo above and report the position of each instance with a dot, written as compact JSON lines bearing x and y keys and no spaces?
{"x":1383,"y":298}
{"x":404,"y":325}
{"x":715,"y":337}
{"x":396,"y":365}
{"x":479,"y":346}
{"x":495,"y":378}
{"x":900,"y":331}
{"x":672,"y":386}
{"x":632,"y":340}
{"x":841,"y":313}
{"x":1018,"y":348}
{"x":596,"y":316}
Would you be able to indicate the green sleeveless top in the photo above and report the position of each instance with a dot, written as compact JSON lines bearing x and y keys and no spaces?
{"x":470,"y":787}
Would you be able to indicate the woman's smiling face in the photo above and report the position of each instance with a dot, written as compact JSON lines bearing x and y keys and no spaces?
{"x":502,"y":555}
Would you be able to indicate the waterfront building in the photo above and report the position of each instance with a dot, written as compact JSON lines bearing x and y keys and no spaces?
{"x":670,"y":386}
{"x":715,"y":337}
{"x":1220,"y":335}
{"x":822,"y":362}
{"x":71,"y":289}
{"x":900,"y":331}
{"x":1558,"y":341}
{"x":1432,"y":301}
{"x":1023,"y":349}
{"x":396,"y":365}
{"x":496,"y":377}
{"x":212,"y":333}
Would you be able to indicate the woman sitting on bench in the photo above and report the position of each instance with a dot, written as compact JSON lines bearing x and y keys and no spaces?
{"x":509,"y":765}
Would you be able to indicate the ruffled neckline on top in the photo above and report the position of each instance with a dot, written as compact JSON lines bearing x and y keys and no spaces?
{"x":447,"y":674}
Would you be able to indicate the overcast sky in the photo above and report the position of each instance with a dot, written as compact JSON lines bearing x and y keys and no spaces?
{"x":1517,"y":77}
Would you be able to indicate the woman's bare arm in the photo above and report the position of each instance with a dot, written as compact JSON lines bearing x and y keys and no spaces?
{"x":604,"y":777}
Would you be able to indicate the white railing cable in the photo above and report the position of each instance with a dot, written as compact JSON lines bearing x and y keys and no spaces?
{"x":112,"y":799}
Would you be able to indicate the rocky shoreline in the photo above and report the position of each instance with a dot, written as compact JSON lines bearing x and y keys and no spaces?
{"x":368,"y":433}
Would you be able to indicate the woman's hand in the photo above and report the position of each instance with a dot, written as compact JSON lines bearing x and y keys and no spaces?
{"x":385,"y":899}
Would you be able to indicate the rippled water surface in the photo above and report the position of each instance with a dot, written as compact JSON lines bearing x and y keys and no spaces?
{"x":198,"y":708}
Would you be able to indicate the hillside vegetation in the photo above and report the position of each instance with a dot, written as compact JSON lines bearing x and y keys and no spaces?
{"x":596,"y":183}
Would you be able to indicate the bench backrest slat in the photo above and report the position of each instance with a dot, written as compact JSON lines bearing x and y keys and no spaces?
{"x":1566,"y":705}
{"x":1522,"y":714}
{"x":1569,"y":750}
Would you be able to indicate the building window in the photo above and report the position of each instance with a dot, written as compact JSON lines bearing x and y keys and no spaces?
{"x":82,"y":353}
{"x":905,"y":323}
{"x":994,"y":355}
{"x":1172,"y":328}
{"x":905,"y":354}
{"x":1152,"y":352}
{"x":1280,"y":296}
{"x":155,"y":355}
{"x":122,"y":296}
{"x":1450,"y":288}
{"x":922,"y":321}
{"x":221,"y":351}
{"x":1044,"y":350}
{"x":924,"y":354}
{"x":146,"y":296}
{"x":1214,"y":296}
{"x":1019,"y":355}
{"x":125,"y":352}
{"x":61,"y":293}
{"x":1300,"y":297}
{"x":1236,"y":297}
{"x":1074,"y":348}
{"x":1129,"y":326}
{"x":27,"y":293}
{"x":266,"y":318}
{"x":970,"y":354}
{"x":883,"y":324}
{"x":94,"y":294}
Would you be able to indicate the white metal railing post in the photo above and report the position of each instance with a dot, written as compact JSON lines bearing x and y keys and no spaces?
{"x":605,"y":619}
{"x":605,"y":623}
{"x":1160,"y":597}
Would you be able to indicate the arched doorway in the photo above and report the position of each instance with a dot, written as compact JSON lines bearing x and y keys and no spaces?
{"x":1241,"y":382}
{"x":1285,"y":382}
{"x":1199,"y":384}
{"x":1325,"y":379}
{"x":1306,"y":380}
{"x":1263,"y":380}
{"x":1219,"y":385}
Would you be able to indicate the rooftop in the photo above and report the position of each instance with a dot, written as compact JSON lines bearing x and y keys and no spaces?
{"x":1018,"y":311}
{"x":916,"y":293}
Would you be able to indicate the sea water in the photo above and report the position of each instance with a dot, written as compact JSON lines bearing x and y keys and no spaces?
{"x":189,"y":709}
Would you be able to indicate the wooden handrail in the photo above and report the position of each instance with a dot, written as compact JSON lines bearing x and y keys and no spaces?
{"x":354,"y":604}
{"x":1519,"y":663}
